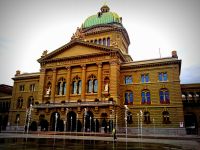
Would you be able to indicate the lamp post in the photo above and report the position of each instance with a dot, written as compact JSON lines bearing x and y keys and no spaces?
{"x":66,"y":120}
{"x":126,"y":112}
{"x":141,"y":116}
{"x":71,"y":124}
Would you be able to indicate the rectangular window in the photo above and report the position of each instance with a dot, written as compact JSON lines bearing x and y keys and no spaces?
{"x":162,"y":76}
{"x":32,"y":87}
{"x":145,"y":78}
{"x":21,"y":88}
{"x":128,"y":79}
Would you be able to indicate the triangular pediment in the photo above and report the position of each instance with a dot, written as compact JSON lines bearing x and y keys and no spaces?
{"x":76,"y":49}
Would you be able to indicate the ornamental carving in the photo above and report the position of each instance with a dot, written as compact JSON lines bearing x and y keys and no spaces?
{"x":78,"y":34}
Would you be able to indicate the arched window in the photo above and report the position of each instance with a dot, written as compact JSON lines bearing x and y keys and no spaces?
{"x":100,"y":41}
{"x":92,"y":84}
{"x":147,"y":117}
{"x":129,"y":118}
{"x":166,"y":117}
{"x":76,"y":85}
{"x":104,"y":41}
{"x":61,"y":87}
{"x":164,"y":96}
{"x":17,"y":118}
{"x":146,"y":99}
{"x":95,"y":41}
{"x":128,"y":98}
{"x":108,"y":41}
{"x":30,"y":101}
{"x":19,"y":102}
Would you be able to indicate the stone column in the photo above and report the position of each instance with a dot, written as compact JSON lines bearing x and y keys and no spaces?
{"x":83,"y":82}
{"x":114,"y":79}
{"x":68,"y":83}
{"x":99,"y":80}
{"x":53,"y":86}
{"x":41,"y":85}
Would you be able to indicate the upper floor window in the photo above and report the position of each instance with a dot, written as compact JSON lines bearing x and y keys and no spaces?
{"x":19,"y":102}
{"x":108,"y":41}
{"x":164,"y":96}
{"x":100,"y":41}
{"x":145,"y":78}
{"x":104,"y":41}
{"x":21,"y":88}
{"x":128,"y":79}
{"x":17,"y":118}
{"x":61,"y":87}
{"x":92,"y":84}
{"x":162,"y":76}
{"x":30,"y":101}
{"x":32,"y":87}
{"x":146,"y":99}
{"x":76,"y":85}
{"x":128,"y":97}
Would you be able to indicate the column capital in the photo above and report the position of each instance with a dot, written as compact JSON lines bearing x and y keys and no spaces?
{"x":99,"y":64}
{"x":68,"y":68}
{"x":114,"y":62}
{"x":54,"y":69}
{"x":83,"y":66}
{"x":42,"y":70}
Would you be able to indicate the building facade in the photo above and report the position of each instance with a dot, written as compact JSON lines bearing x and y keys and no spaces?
{"x":5,"y":100}
{"x":93,"y":84}
{"x":191,"y":107}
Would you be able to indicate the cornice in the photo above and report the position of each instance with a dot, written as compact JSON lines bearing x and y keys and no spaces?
{"x":150,"y":63}
{"x":27,"y":76}
{"x":106,"y":28}
{"x":104,"y":49}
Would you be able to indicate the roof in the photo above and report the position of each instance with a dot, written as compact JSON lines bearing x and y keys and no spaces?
{"x":152,"y":62}
{"x":103,"y":17}
{"x":27,"y":76}
{"x":104,"y":49}
{"x":6,"y":89}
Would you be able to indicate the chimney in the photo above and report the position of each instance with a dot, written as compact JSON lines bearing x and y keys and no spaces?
{"x":174,"y":54}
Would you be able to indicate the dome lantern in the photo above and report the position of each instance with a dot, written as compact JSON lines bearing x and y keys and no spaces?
{"x":105,"y":9}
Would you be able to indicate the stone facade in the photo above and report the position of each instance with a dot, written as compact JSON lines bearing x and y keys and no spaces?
{"x":5,"y":100}
{"x":85,"y":85}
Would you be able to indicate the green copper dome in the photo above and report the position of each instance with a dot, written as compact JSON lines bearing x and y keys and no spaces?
{"x":103,"y":17}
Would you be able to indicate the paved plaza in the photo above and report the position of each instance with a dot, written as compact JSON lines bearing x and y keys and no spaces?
{"x":186,"y":142}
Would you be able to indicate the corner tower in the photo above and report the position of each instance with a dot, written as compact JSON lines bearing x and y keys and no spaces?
{"x":106,"y":28}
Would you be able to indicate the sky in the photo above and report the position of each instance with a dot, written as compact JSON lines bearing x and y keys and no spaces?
{"x":28,"y":27}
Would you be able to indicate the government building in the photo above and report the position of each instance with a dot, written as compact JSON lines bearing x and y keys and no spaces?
{"x":92,"y":84}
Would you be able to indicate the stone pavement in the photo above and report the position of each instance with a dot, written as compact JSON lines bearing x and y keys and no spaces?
{"x":188,"y":142}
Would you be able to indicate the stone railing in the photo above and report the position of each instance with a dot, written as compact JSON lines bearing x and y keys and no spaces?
{"x":74,"y":104}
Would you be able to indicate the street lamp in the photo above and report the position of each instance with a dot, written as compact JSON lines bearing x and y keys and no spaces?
{"x":126,"y":112}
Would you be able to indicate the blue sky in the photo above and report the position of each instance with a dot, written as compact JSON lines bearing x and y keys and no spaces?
{"x":28,"y":27}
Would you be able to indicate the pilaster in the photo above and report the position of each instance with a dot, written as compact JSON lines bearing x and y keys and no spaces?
{"x":99,"y":80}
{"x":83,"y":82}
{"x":53,"y":85}
{"x":114,"y":79}
{"x":41,"y":85}
{"x":68,"y":83}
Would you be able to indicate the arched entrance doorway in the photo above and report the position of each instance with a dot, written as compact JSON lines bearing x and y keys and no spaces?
{"x":89,"y":121}
{"x":55,"y":122}
{"x":104,"y":122}
{"x":71,"y":121}
{"x":43,"y":123}
{"x":191,"y":123}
